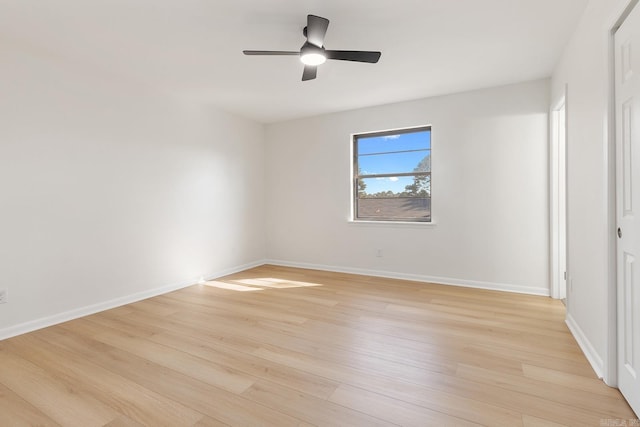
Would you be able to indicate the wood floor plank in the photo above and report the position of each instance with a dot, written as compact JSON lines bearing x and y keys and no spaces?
{"x":576,"y":382}
{"x":44,"y":390}
{"x":398,"y":411}
{"x":225,"y":377}
{"x":467,"y":408}
{"x":279,"y":346}
{"x":251,"y":365}
{"x":601,"y":400}
{"x":311,"y":409}
{"x":128,"y":398}
{"x":530,"y":421}
{"x":555,"y":361}
{"x":209,"y":422}
{"x":220,"y":405}
{"x":17,"y":412}
{"x":123,"y":421}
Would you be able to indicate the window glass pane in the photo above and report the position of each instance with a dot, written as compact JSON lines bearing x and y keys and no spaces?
{"x":397,"y":142}
{"x":413,"y":208}
{"x":405,"y":162}
{"x":401,"y":186}
{"x":393,"y":197}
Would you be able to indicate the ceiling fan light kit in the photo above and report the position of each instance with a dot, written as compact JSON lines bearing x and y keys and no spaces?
{"x":312,"y":53}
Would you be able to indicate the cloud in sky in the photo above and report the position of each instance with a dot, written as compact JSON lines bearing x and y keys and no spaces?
{"x":391,"y":137}
{"x":394,"y":179}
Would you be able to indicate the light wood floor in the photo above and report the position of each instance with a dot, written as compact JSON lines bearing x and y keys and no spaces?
{"x":289,"y":347}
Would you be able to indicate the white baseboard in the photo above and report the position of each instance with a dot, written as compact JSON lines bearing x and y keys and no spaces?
{"x":44,"y":322}
{"x":529,"y":290}
{"x":585,"y":345}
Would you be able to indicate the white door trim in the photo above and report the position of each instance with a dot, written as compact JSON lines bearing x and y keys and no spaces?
{"x":558,"y":196}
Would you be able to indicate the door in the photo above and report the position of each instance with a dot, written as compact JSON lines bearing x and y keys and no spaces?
{"x":627,"y":95}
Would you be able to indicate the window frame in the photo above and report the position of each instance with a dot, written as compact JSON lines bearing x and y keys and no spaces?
{"x":355,"y":176}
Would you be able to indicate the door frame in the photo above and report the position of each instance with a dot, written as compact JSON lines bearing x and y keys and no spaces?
{"x":558,"y":197}
{"x":610,"y":374}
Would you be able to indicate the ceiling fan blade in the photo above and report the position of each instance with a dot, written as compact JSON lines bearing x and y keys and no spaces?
{"x":270,"y":52}
{"x":309,"y":73}
{"x":354,"y":55}
{"x":316,"y":29}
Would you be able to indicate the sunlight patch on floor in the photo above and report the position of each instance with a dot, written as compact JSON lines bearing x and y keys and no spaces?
{"x":257,"y":284}
{"x":230,"y":286}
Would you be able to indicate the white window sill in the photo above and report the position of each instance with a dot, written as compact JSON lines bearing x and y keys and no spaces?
{"x":393,"y":224}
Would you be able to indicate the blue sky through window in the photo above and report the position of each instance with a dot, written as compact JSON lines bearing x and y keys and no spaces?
{"x":392,"y":154}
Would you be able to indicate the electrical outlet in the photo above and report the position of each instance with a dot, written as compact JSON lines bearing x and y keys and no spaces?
{"x":4,"y":294}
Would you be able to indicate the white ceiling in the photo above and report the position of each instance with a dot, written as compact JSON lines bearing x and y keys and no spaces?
{"x":193,"y":48}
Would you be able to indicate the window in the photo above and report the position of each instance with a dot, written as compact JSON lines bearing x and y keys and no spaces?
{"x":392,"y":175}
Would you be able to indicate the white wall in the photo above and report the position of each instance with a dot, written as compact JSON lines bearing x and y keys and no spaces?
{"x":490,"y":192}
{"x":583,"y":68}
{"x":110,"y":192}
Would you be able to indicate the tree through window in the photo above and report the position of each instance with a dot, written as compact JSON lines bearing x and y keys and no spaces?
{"x":392,"y":175}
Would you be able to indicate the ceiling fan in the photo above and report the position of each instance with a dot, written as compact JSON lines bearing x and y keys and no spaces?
{"x":312,"y":53}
